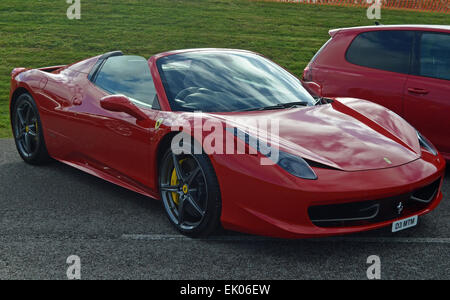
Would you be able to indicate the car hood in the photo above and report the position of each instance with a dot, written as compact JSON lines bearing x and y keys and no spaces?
{"x":348,"y":134}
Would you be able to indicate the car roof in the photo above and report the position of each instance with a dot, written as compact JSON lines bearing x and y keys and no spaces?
{"x":444,"y":28}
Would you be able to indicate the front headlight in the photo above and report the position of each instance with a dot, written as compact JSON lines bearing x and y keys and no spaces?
{"x":296,"y":166}
{"x":292,"y":164}
{"x":426,"y":144}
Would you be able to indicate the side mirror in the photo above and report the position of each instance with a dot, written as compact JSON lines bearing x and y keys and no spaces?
{"x":313,"y":88}
{"x":121,"y":103}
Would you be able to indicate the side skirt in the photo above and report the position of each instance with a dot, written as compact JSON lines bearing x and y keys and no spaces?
{"x":117,"y":180}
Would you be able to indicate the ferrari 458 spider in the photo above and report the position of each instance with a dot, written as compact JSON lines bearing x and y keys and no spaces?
{"x":342,"y":165}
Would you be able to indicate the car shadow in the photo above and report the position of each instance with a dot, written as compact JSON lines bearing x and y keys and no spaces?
{"x":57,"y":177}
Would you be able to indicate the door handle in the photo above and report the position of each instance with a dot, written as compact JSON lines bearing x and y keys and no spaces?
{"x":418,"y":91}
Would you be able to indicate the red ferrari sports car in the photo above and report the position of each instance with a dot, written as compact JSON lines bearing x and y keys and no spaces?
{"x":342,"y":165}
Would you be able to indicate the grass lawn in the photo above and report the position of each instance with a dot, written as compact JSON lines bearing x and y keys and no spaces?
{"x":36,"y":33}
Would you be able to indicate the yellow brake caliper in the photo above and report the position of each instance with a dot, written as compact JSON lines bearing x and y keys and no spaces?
{"x":174,"y":181}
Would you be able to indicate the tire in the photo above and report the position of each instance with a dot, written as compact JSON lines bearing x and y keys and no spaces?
{"x":203,"y":189}
{"x":27,"y":129}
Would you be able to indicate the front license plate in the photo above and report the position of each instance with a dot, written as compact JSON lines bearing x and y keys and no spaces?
{"x":404,"y":224}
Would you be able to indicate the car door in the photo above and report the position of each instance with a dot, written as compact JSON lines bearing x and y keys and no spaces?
{"x":427,"y":92}
{"x":112,"y":141}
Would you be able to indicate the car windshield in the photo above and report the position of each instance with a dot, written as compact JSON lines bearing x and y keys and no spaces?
{"x":225,"y":81}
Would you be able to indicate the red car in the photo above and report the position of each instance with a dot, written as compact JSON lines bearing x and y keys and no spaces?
{"x":343,"y":165}
{"x":404,"y":68}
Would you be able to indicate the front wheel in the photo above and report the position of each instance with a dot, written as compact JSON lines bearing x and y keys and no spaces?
{"x":190,"y":193}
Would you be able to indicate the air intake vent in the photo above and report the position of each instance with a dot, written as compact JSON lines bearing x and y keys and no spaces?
{"x":374,"y":211}
{"x":427,"y":193}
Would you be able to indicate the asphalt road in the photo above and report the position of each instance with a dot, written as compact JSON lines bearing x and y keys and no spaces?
{"x":49,"y":213}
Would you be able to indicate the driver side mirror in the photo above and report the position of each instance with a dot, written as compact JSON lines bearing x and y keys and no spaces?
{"x":121,"y":103}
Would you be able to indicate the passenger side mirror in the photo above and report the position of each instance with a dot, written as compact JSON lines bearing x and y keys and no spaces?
{"x":121,"y":103}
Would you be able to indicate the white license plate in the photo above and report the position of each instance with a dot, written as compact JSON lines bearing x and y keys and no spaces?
{"x":404,"y":224}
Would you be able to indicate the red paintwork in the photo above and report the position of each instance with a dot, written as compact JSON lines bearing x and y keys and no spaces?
{"x":350,"y":135}
{"x":339,"y":78}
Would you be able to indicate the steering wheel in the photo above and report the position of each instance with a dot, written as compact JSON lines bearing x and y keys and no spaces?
{"x":191,"y":90}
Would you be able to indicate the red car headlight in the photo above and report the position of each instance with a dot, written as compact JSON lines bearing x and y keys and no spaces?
{"x":296,"y":166}
{"x":292,"y":164}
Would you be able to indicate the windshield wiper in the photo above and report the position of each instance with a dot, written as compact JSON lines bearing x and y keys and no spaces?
{"x":278,"y":106}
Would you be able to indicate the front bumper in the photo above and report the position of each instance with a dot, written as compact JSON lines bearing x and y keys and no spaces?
{"x":265,"y":200}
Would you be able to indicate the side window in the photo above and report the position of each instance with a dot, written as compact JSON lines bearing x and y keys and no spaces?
{"x":387,"y":50}
{"x":435,"y":55}
{"x":128,"y":75}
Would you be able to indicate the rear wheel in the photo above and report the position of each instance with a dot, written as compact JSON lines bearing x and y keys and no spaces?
{"x":27,"y":130}
{"x":190,"y":193}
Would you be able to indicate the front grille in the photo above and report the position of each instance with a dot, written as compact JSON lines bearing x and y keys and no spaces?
{"x":374,"y":211}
